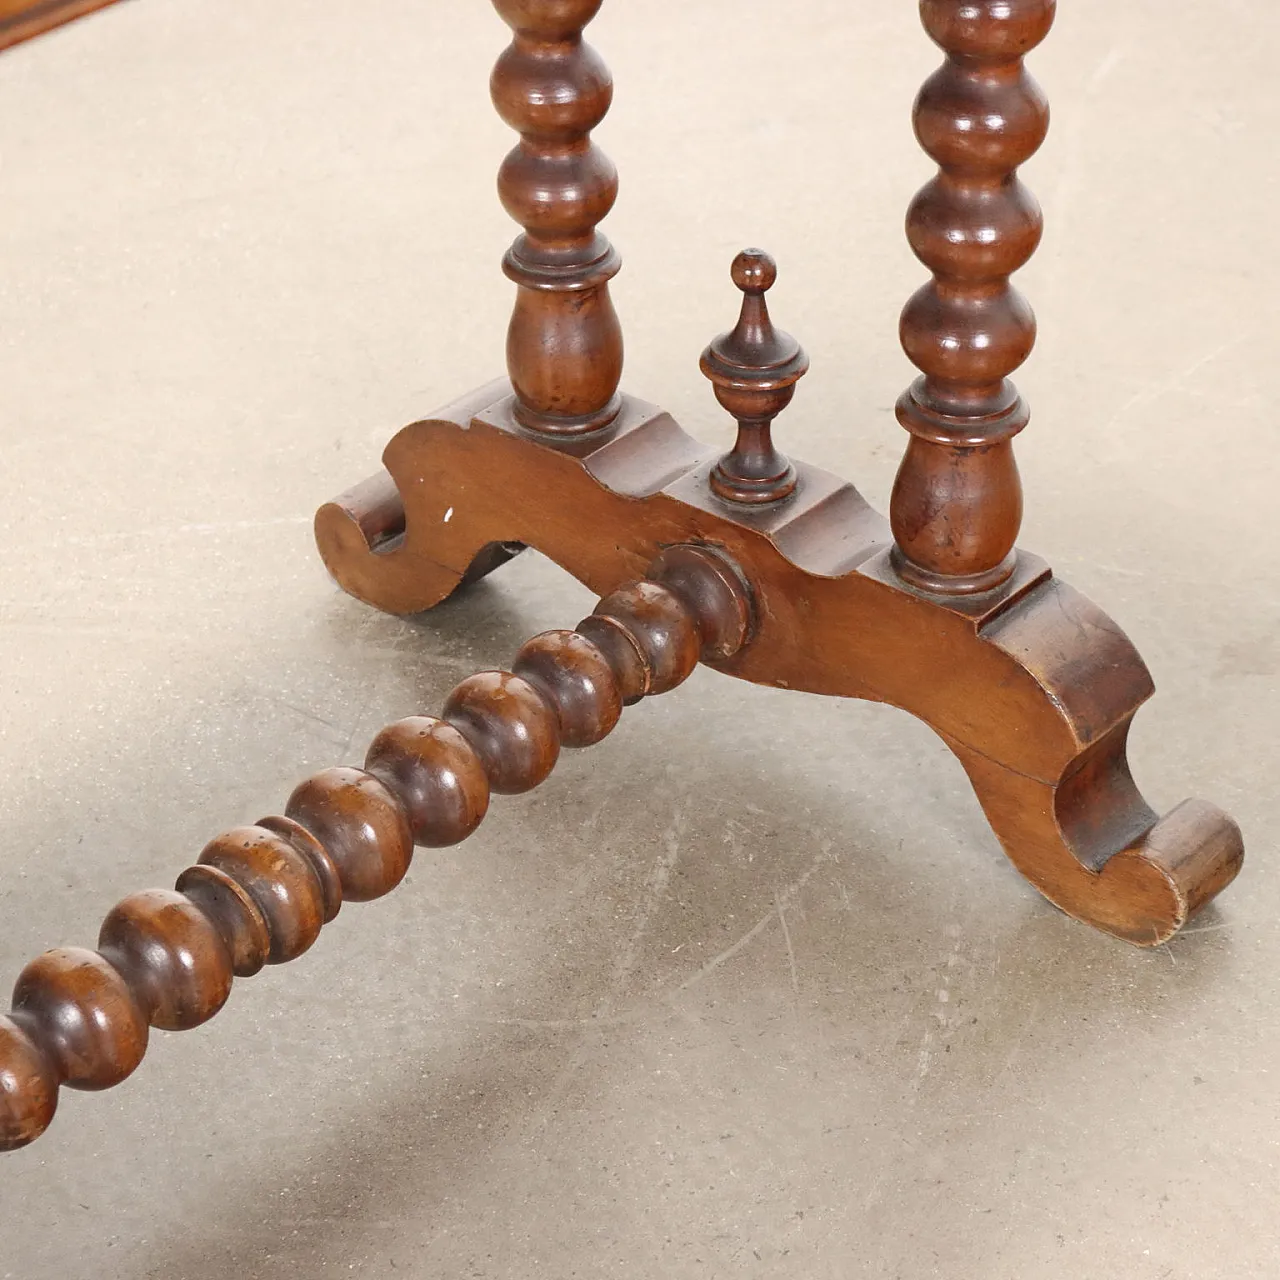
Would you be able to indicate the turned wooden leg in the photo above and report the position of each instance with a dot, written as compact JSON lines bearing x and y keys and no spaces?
{"x":957,"y":502}
{"x":564,"y":347}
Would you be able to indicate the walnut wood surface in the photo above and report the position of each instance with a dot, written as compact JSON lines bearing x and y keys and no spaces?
{"x":773,"y":572}
{"x":261,"y":894}
{"x":22,"y":19}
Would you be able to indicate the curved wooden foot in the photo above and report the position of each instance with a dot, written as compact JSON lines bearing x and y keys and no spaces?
{"x":361,"y":536}
{"x":1031,"y":685}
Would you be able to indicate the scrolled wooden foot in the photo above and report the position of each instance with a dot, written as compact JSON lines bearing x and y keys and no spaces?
{"x":261,"y":894}
{"x":366,"y":545}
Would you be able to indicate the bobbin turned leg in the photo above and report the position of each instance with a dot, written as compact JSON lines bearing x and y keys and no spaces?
{"x":957,"y":502}
{"x":260,"y":895}
{"x":564,"y":347}
{"x":564,"y":343}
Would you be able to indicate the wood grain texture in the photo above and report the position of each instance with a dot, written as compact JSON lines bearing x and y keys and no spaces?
{"x":754,"y":369}
{"x":771,"y":571}
{"x":564,"y":346}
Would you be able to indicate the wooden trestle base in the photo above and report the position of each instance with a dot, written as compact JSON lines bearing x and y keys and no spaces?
{"x":1031,"y":685}
{"x":933,"y":610}
{"x":765,"y":569}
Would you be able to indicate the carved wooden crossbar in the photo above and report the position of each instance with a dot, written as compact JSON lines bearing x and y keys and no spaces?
{"x":764,"y":568}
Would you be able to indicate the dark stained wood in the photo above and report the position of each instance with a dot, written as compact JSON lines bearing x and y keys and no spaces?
{"x":281,"y":883}
{"x":777,"y":573}
{"x":360,"y":825}
{"x":657,"y":618}
{"x":171,"y":955}
{"x":957,"y":503}
{"x":23,"y":19}
{"x":1038,"y":684}
{"x":1039,"y":687}
{"x":513,"y":728}
{"x":436,"y":775}
{"x":754,"y":369}
{"x":564,"y":347}
{"x":261,"y":894}
{"x":28,"y":1087}
{"x":240,"y":921}
{"x":575,"y":679}
{"x":78,"y":1008}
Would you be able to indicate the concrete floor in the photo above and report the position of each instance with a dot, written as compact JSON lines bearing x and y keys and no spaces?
{"x":765,"y":1001}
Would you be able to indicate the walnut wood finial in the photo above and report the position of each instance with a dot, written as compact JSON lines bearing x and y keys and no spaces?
{"x":564,"y":346}
{"x":261,"y":894}
{"x":754,"y":369}
{"x":957,"y":502}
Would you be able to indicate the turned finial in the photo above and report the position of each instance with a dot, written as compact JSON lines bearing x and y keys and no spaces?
{"x":754,"y":369}
{"x":957,"y":502}
{"x":564,"y":345}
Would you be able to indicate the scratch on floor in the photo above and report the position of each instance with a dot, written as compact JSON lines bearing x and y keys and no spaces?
{"x":1175,"y":380}
{"x":791,"y":951}
{"x":783,"y":898}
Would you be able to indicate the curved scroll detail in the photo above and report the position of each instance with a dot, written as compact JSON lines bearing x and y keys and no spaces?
{"x":1031,"y":685}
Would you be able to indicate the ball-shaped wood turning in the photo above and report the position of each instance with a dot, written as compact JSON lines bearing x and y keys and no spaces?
{"x":261,"y":894}
{"x":437,"y":775}
{"x":564,"y":345}
{"x":957,"y":502}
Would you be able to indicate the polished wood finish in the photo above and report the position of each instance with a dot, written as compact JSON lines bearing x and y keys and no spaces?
{"x":1031,"y":686}
{"x":754,"y":370}
{"x":23,"y":19}
{"x":776,"y":573}
{"x":436,"y":773}
{"x":957,"y":503}
{"x":261,"y":894}
{"x":564,"y":346}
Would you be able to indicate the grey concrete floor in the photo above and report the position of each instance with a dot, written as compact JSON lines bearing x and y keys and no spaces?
{"x":749,"y":989}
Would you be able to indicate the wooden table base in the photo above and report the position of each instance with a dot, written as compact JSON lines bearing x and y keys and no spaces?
{"x":767,"y":569}
{"x":1031,"y":685}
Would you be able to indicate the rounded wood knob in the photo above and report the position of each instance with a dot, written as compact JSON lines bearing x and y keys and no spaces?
{"x":171,"y":955}
{"x":575,"y":678}
{"x":437,"y":776}
{"x":237,"y":917}
{"x":512,"y":727}
{"x":360,"y":824}
{"x":28,"y":1087}
{"x":80,"y":1010}
{"x":280,"y":880}
{"x":662,"y":629}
